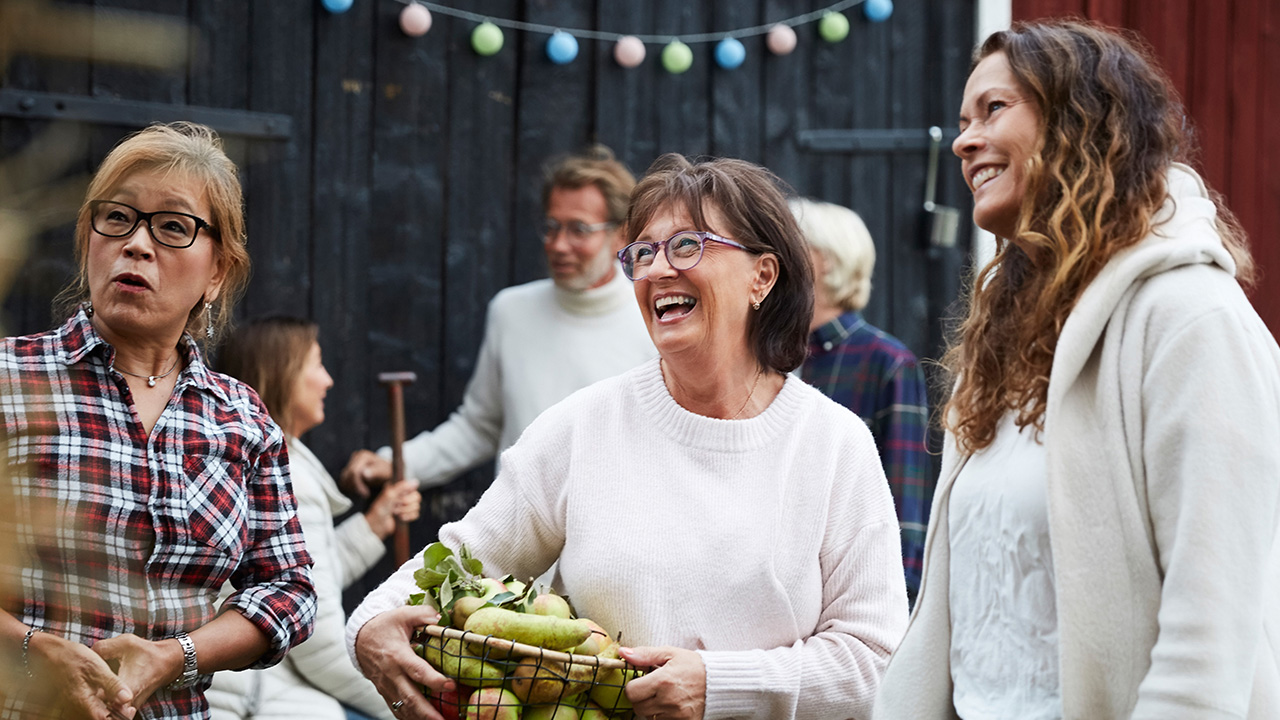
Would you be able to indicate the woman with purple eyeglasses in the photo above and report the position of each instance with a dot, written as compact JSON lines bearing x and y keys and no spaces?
{"x":730,"y":520}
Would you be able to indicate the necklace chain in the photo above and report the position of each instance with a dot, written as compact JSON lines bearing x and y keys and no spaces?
{"x":749,"y":395}
{"x":151,"y":379}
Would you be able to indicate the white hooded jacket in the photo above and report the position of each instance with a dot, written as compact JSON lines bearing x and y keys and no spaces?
{"x":1162,"y":435}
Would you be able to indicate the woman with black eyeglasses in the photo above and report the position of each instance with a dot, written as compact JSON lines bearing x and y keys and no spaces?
{"x":135,"y":482}
{"x":729,"y":519}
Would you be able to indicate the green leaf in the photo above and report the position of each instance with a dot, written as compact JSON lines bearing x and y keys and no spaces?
{"x":446,"y":596}
{"x":435,"y":552}
{"x":416,"y":598}
{"x":470,"y":563}
{"x":502,"y":597}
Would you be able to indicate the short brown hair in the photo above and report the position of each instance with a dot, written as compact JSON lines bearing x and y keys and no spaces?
{"x":268,"y":355}
{"x":594,"y":166}
{"x":195,"y":151}
{"x":753,"y":201}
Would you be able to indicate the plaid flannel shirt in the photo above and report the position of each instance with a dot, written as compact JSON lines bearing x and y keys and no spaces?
{"x":873,"y":374}
{"x":116,"y":532}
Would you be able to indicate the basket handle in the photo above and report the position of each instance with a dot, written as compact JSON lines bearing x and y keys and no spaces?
{"x":519,"y":648}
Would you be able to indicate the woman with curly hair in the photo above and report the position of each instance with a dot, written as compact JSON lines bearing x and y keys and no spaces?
{"x":1103,"y":539}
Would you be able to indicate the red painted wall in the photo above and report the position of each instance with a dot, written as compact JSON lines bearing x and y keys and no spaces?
{"x":1224,"y":58}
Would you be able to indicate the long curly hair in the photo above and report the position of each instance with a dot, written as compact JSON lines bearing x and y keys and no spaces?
{"x":1111,"y":126}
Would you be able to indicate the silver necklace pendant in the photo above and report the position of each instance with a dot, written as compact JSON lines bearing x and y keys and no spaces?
{"x":151,"y":380}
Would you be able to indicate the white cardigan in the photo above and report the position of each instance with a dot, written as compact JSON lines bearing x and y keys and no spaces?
{"x":1163,"y":440}
{"x":317,"y":674}
{"x":769,"y":544}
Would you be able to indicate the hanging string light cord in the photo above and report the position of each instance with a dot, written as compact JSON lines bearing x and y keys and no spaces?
{"x":657,"y":39}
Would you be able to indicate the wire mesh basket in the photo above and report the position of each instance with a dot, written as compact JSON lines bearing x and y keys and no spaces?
{"x":501,"y":679}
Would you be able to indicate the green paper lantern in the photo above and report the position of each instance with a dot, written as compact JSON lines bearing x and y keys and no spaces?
{"x":833,"y":27}
{"x":677,"y":57}
{"x":486,"y":39}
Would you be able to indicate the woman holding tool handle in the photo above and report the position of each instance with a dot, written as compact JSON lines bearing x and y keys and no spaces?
{"x":280,"y":358}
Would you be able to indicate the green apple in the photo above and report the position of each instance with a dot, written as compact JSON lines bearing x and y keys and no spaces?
{"x":551,"y":605}
{"x":493,"y":704}
{"x":491,"y":588}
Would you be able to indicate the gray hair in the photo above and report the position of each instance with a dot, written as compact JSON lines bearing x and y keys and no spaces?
{"x":842,"y":239}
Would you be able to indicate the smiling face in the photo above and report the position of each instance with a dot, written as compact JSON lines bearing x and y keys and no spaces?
{"x":141,"y":290}
{"x":701,"y":312}
{"x":580,"y":263}
{"x":306,"y":408}
{"x":999,"y":133}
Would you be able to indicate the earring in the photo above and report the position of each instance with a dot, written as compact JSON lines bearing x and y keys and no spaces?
{"x":88,"y":308}
{"x":755,"y":305}
{"x":208,"y":329}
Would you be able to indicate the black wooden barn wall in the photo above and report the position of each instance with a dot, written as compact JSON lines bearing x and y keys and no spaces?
{"x":402,"y":193}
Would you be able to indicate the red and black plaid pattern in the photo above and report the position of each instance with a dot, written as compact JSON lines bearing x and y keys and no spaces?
{"x":114,"y":531}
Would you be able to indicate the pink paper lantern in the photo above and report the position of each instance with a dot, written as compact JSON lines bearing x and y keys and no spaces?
{"x":628,"y":51}
{"x":781,"y":40}
{"x":415,"y":20}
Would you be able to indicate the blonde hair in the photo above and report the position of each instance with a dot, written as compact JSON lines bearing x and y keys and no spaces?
{"x":594,"y":166}
{"x":268,"y":355}
{"x":193,"y":151}
{"x":1112,"y":127}
{"x":842,"y":239}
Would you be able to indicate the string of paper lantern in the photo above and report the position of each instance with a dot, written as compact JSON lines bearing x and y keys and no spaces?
{"x":629,"y":50}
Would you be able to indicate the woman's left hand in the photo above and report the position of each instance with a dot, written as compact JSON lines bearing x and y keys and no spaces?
{"x":676,"y":689}
{"x":143,"y":665}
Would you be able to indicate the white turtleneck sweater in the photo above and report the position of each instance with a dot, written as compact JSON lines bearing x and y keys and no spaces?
{"x":541,"y":343}
{"x":768,"y":544}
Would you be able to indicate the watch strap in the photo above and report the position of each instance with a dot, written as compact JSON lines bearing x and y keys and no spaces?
{"x":190,"y":672}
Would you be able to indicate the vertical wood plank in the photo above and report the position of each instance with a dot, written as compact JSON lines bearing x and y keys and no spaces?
{"x":1246,"y":90}
{"x":1264,"y":234}
{"x":627,"y":106}
{"x":683,"y":120}
{"x":906,"y":263}
{"x":785,"y":102}
{"x":278,"y":187}
{"x":479,"y":196}
{"x":1208,"y":96}
{"x":736,"y":107}
{"x":340,"y":215}
{"x":46,"y":260}
{"x":553,"y":117}
{"x":868,"y":188}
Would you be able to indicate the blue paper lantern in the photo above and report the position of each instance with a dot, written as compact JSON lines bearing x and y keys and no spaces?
{"x":336,"y":6}
{"x":730,"y":53}
{"x":562,"y":47}
{"x":877,"y":10}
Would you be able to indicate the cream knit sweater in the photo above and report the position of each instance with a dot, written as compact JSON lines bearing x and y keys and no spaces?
{"x":769,"y":544}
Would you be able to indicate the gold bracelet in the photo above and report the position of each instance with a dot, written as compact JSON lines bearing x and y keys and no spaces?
{"x":26,"y":643}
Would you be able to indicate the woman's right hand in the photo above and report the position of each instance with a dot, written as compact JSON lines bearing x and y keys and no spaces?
{"x":82,"y":684}
{"x":397,"y":501}
{"x":385,"y":657}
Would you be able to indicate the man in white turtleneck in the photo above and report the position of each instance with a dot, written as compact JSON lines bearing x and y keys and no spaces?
{"x":545,"y":339}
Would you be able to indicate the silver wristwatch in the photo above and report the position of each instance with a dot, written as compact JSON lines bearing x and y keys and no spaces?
{"x":190,"y":673}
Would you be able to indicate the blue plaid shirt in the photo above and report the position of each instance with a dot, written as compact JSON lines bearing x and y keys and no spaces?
{"x":873,"y":374}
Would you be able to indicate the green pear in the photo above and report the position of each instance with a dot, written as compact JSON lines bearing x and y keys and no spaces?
{"x":609,"y":691}
{"x":550,"y":712}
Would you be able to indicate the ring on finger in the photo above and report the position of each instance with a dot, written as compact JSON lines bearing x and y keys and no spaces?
{"x":395,"y":706}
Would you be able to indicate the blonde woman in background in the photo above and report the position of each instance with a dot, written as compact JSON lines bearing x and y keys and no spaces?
{"x":280,"y":358}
